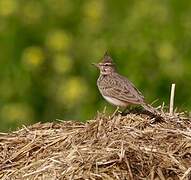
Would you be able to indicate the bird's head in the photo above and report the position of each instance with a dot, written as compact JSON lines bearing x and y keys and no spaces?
{"x":106,"y":66}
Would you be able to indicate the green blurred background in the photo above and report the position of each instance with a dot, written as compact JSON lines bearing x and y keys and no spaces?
{"x":47,"y":47}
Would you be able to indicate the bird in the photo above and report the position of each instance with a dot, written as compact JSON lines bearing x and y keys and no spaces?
{"x":117,"y":89}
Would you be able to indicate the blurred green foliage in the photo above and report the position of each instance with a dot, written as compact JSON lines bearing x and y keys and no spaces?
{"x":47,"y":47}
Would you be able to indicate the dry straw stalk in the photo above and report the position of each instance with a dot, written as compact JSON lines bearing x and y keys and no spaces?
{"x":118,"y":147}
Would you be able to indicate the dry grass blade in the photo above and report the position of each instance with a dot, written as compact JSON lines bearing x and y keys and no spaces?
{"x":186,"y":174}
{"x":116,"y":147}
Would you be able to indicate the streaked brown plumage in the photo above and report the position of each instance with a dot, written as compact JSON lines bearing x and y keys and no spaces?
{"x":117,"y":89}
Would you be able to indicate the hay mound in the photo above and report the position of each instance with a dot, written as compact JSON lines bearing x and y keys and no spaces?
{"x":119,"y":147}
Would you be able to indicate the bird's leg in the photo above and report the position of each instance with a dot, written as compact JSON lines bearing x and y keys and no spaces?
{"x":115,"y":112}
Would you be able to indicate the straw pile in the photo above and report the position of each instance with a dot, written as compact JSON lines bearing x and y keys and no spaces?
{"x":134,"y":146}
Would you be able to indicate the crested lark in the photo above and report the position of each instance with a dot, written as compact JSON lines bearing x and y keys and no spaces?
{"x":117,"y":89}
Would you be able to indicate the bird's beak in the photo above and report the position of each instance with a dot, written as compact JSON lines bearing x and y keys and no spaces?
{"x":96,"y":65}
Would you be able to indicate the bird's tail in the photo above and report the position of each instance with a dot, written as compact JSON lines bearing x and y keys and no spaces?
{"x":151,"y":109}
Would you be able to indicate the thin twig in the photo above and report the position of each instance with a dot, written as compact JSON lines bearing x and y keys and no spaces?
{"x":172,"y":99}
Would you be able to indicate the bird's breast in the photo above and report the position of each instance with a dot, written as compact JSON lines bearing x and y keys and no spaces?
{"x":115,"y":101}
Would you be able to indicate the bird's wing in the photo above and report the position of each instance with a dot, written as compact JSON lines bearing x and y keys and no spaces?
{"x":129,"y":85}
{"x":123,"y":90}
{"x":125,"y":96}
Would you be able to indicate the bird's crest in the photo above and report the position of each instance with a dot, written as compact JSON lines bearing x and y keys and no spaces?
{"x":107,"y":58}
